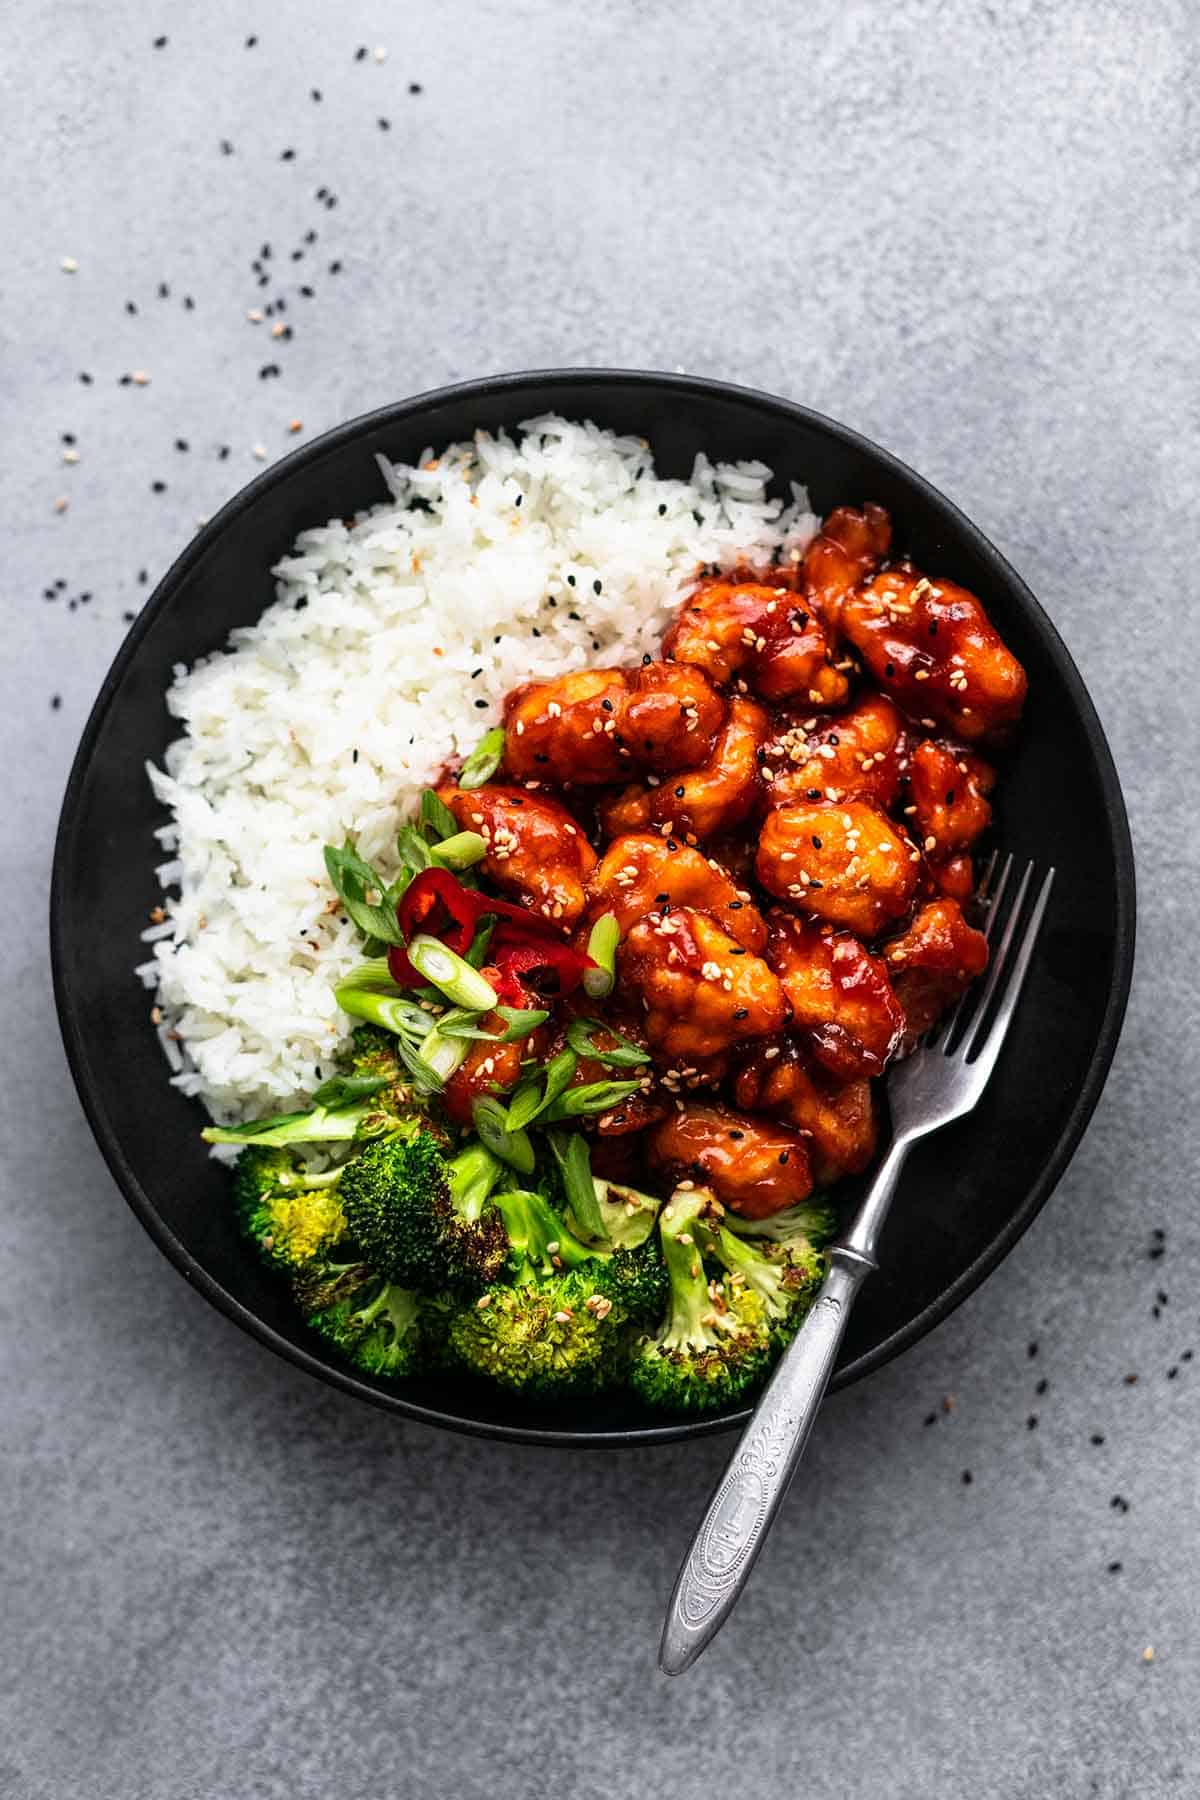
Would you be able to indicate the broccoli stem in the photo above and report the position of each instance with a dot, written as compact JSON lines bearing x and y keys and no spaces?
{"x":538,"y":1235}
{"x":471,"y":1176}
{"x":322,"y":1125}
{"x":690,"y":1300}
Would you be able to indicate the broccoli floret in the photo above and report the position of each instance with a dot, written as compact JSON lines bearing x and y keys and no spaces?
{"x":785,"y":1275}
{"x":371,"y":1052}
{"x":375,"y":1323}
{"x":292,"y":1218}
{"x":812,"y":1223}
{"x":558,"y":1329}
{"x":713,"y":1345}
{"x":424,"y":1220}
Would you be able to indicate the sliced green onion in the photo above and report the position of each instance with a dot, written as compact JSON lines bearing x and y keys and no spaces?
{"x":534,"y":1097}
{"x":574,"y":1161}
{"x":581,"y":1037}
{"x":512,"y":1147}
{"x":596,"y":1097}
{"x":459,"y":851}
{"x":484,"y":759}
{"x":602,"y":944}
{"x":354,"y":882}
{"x":435,"y":820}
{"x":519,"y":1023}
{"x":450,"y":973}
{"x":341,"y":1090}
{"x":413,"y":850}
{"x":368,"y":992}
{"x":442,"y":1054}
{"x":477,"y":954}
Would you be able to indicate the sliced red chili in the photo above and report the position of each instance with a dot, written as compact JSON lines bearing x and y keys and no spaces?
{"x":543,"y":965}
{"x":436,"y":903}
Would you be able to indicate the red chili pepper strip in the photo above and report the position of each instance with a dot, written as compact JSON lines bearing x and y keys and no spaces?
{"x":435,"y":903}
{"x":543,"y":965}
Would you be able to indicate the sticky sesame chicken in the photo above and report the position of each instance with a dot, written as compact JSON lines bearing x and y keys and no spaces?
{"x":537,"y":853}
{"x":811,"y":736}
{"x":762,"y":633}
{"x":849,"y":546}
{"x":845,"y":863}
{"x":947,"y":787}
{"x":836,"y":1118}
{"x":701,"y":991}
{"x":933,"y":962}
{"x":931,"y":646}
{"x":754,"y":1167}
{"x":855,"y":755}
{"x":843,"y":1007}
{"x":640,"y":874}
{"x":698,"y":804}
{"x":599,"y":726}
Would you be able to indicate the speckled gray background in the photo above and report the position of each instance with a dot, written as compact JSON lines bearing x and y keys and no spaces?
{"x":967,"y":230}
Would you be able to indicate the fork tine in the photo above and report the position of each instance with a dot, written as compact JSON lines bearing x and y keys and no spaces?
{"x":996,"y":967}
{"x":943,"y":1031}
{"x":987,"y":1041}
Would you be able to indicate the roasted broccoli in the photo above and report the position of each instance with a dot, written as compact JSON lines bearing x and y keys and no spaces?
{"x":292,"y":1216}
{"x":556,"y":1329}
{"x":375,"y":1323}
{"x":371,"y":1052}
{"x":715,"y":1341}
{"x":784,"y":1274}
{"x":811,"y":1224}
{"x":423,"y":1219}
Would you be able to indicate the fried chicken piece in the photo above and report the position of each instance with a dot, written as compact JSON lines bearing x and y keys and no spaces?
{"x":698,"y":803}
{"x":845,"y":863}
{"x":537,"y":853}
{"x":947,"y":789}
{"x":754,"y":1167}
{"x":856,"y":755}
{"x":843,"y":1007}
{"x":838,"y":1117}
{"x":953,"y":876}
{"x":761,"y":632}
{"x":933,"y":962}
{"x":849,"y":546}
{"x":701,"y":990}
{"x":640,"y":874}
{"x":932,"y":647}
{"x":599,"y":726}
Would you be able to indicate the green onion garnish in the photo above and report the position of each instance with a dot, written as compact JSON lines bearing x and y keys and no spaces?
{"x":484,"y":759}
{"x":450,"y":973}
{"x":581,"y":1035}
{"x":459,"y":851}
{"x":602,"y":948}
{"x":512,"y":1147}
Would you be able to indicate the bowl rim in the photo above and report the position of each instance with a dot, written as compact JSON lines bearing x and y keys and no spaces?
{"x":73,"y":1035}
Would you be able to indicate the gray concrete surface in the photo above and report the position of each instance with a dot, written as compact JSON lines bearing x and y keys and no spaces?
{"x":969,"y":231}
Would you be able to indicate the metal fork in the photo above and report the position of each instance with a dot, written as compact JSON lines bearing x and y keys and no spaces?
{"x":941,"y":1081}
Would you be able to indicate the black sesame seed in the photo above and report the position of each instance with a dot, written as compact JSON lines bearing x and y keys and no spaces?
{"x":360,"y":53}
{"x":1031,"y":1349}
{"x":160,"y":43}
{"x":55,"y":702}
{"x":130,"y":307}
{"x":226,"y":147}
{"x":315,"y":94}
{"x":250,"y":42}
{"x":737,"y":1136}
{"x":1042,"y":1385}
{"x":783,"y":1158}
{"x":482,"y":704}
{"x":889,"y":669}
{"x":816,"y":842}
{"x":743,"y":1012}
{"x":414,"y":87}
{"x":1031,"y":1422}
{"x":181,"y":444}
{"x":929,"y":1419}
{"x":597,"y":586}
{"x":189,"y":305}
{"x":335,"y":268}
{"x":85,"y":378}
{"x":164,"y":291}
{"x":1114,"y":1568}
{"x":1172,"y":1372}
{"x":384,"y":124}
{"x":158,"y":487}
{"x":967,"y":1478}
{"x":223,"y":452}
{"x":607,"y":705}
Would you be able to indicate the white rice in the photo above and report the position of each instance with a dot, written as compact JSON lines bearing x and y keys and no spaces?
{"x":393,"y":641}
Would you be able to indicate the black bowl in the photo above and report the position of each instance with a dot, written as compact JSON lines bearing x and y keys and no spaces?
{"x":966,"y":1196}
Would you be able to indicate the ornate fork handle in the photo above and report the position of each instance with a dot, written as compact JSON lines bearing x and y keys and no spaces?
{"x":760,"y":1473}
